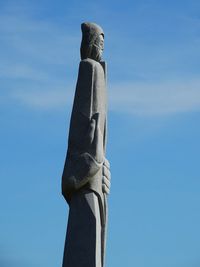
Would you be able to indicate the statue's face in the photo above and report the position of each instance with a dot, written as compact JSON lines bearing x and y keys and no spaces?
{"x":98,"y":47}
{"x":100,"y":43}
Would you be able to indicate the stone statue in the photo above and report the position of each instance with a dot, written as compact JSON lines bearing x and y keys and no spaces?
{"x":86,"y":174}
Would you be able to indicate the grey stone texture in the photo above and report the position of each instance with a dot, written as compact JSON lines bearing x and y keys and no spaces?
{"x":86,"y":174}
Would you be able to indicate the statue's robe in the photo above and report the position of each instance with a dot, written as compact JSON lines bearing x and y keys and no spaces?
{"x":82,"y":175}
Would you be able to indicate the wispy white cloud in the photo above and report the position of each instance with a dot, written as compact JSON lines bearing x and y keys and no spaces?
{"x":44,"y":100}
{"x":134,"y":98}
{"x":23,"y":71}
{"x":156,"y":99}
{"x":34,"y":48}
{"x":27,"y":40}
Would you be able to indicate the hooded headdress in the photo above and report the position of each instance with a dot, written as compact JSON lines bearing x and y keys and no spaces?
{"x":90,"y":31}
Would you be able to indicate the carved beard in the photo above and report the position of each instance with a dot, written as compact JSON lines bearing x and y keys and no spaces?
{"x":96,"y":53}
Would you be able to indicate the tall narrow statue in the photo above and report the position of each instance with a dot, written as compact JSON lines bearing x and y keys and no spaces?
{"x":86,"y":174}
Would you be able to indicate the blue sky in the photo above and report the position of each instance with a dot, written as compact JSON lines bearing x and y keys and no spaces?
{"x":152,"y":51}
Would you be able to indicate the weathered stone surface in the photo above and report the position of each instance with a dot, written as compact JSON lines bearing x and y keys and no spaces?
{"x":86,"y":174}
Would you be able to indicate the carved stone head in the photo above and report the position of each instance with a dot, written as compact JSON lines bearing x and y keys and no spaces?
{"x":92,"y":44}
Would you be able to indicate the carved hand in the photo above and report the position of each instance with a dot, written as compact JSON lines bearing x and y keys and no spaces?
{"x":106,"y":177}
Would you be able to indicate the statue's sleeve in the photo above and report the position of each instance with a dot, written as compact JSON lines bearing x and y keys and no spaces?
{"x":80,"y":164}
